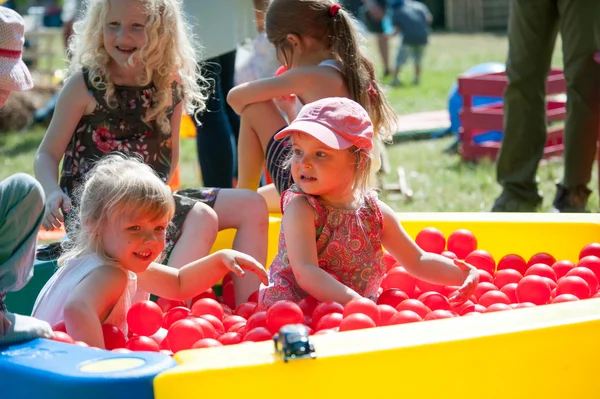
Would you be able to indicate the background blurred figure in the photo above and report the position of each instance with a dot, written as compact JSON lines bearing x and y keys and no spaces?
{"x":532,"y":30}
{"x":220,"y":26}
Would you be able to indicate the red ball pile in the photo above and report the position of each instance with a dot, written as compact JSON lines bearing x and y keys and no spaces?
{"x":170,"y":326}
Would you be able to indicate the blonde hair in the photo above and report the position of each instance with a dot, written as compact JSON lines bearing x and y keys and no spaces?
{"x":167,"y":56}
{"x":116,"y":185}
{"x":312,"y":18}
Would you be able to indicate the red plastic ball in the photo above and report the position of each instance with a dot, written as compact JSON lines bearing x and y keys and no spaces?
{"x":512,"y":261}
{"x":230,"y":338}
{"x":329,"y":321}
{"x":168,"y":304}
{"x":565,"y":298}
{"x":62,"y":337}
{"x":231,"y":320}
{"x":144,"y":318}
{"x":533,"y":289}
{"x":592,"y":249}
{"x":308,"y":305}
{"x":485,"y":277}
{"x":228,"y":293}
{"x":391,"y":297}
{"x":385,"y":314}
{"x":209,"y":293}
{"x":482,"y":260}
{"x":113,"y":337}
{"x":389,"y":261}
{"x":175,"y":314}
{"x":325,"y":308}
{"x":592,"y":263}
{"x":404,"y":317}
{"x":356,"y":321}
{"x":239,"y":328}
{"x":364,"y":306}
{"x":562,"y":267}
{"x":282,"y":313}
{"x":414,"y":305}
{"x":462,"y":242}
{"x":482,"y":288}
{"x":208,"y":306}
{"x":258,"y":319}
{"x":431,"y":239}
{"x":435,"y":301}
{"x":497,"y":307}
{"x":493,"y":297}
{"x":140,"y":343}
{"x":506,"y":276}
{"x":207,"y":328}
{"x":245,"y":309}
{"x":258,"y":334}
{"x":542,"y":270}
{"x":586,"y":274}
{"x":60,"y":326}
{"x":399,"y":278}
{"x":541,"y":257}
{"x":183,"y":334}
{"x":206,"y":343}
{"x":216,"y":323}
{"x":574,"y":285}
{"x":280,"y":70}
{"x":510,"y":290}
{"x":253,"y":297}
{"x":440,"y":314}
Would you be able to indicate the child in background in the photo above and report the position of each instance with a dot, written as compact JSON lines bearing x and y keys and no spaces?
{"x":317,"y":42}
{"x":134,"y":70}
{"x":121,"y":224}
{"x":412,"y":19}
{"x":333,"y":225}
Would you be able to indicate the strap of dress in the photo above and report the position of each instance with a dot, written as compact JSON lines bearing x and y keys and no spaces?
{"x":294,"y":191}
{"x":371,"y":200}
{"x":99,"y":95}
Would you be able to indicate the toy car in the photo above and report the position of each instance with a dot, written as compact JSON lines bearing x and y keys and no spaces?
{"x":291,"y":342}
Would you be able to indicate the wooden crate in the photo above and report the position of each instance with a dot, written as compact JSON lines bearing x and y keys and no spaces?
{"x":476,"y":15}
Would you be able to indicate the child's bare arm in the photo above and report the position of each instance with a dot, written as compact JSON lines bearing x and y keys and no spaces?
{"x":91,"y":302}
{"x":433,"y":268}
{"x":175,"y":135}
{"x":299,"y":229}
{"x":198,"y":276}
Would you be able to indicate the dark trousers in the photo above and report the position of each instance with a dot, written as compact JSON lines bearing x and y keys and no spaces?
{"x":217,"y":133}
{"x":533,"y":26}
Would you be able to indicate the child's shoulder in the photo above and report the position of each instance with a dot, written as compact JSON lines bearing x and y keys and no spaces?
{"x":297,"y":200}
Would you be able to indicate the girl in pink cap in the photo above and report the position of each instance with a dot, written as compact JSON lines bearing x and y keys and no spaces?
{"x":333,"y":227}
{"x":134,"y":71}
{"x":318,"y":44}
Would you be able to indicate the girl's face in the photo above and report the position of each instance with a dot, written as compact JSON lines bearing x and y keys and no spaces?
{"x":124,"y":30}
{"x":321,"y":170}
{"x":134,"y":242}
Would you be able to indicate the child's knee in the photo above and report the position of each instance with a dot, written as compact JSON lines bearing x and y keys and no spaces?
{"x":21,"y":189}
{"x":202,"y":218}
{"x":255,"y":206}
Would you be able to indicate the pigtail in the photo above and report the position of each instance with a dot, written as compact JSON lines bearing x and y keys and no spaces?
{"x":359,"y":74}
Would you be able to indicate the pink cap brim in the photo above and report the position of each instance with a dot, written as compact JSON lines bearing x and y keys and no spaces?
{"x":318,"y":131}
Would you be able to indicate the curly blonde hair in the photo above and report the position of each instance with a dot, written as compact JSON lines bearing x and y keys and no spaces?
{"x":167,"y":56}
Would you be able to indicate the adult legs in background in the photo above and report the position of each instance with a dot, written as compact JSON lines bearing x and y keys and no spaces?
{"x":216,"y":135}
{"x":532,"y":30}
{"x":21,"y":212}
{"x":577,"y":23}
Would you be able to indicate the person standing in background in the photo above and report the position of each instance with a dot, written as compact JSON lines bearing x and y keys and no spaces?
{"x":221,"y":25}
{"x":532,"y":31}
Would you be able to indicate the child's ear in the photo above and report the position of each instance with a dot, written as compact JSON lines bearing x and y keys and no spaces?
{"x":293,"y":40}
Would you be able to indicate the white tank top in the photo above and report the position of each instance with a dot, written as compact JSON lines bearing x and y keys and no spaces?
{"x":51,"y":301}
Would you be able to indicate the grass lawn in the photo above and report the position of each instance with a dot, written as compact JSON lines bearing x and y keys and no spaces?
{"x":440,"y":182}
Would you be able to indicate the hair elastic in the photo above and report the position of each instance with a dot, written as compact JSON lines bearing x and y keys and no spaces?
{"x":333,"y":10}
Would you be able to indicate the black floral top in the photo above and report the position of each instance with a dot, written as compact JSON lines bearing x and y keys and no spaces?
{"x":120,"y":129}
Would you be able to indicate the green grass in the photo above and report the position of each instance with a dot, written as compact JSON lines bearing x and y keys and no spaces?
{"x":440,"y":182}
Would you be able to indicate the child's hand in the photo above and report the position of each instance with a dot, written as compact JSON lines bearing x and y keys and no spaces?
{"x":469,"y":284}
{"x":4,"y":324}
{"x":236,"y":262}
{"x":56,"y":201}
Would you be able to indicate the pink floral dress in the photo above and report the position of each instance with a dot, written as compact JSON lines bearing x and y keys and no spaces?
{"x":123,"y":129}
{"x":348,"y":246}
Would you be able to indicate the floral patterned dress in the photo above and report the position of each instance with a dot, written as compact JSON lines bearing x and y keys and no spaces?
{"x":123,"y":129}
{"x":348,"y":246}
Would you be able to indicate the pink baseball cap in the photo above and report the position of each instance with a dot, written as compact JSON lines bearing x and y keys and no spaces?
{"x":14,"y":75}
{"x":337,"y":122}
